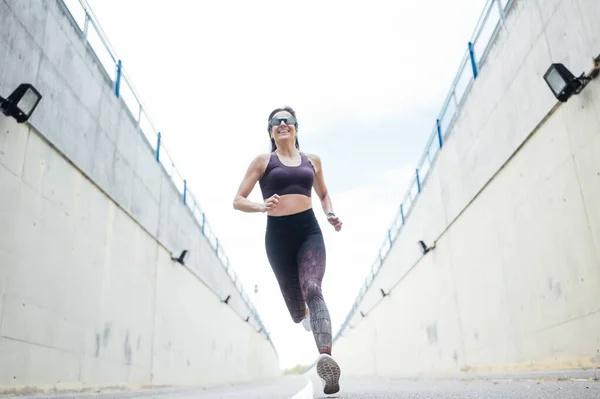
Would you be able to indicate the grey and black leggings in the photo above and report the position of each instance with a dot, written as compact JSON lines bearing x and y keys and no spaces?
{"x":296,"y":251}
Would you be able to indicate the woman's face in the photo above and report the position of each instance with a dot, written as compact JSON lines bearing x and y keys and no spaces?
{"x":283,"y":129}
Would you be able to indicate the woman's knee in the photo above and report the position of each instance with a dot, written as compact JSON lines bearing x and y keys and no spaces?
{"x":312,"y":289}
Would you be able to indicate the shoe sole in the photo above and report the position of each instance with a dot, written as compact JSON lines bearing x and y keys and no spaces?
{"x":330,"y":372}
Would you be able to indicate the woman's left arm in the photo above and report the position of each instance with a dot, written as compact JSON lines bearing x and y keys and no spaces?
{"x":322,"y":192}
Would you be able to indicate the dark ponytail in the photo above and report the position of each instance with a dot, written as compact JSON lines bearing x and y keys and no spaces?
{"x":291,"y":111}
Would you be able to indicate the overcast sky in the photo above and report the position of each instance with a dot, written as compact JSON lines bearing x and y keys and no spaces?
{"x":367,"y":80}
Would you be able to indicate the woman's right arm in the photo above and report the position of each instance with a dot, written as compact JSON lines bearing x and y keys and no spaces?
{"x":241,"y":201}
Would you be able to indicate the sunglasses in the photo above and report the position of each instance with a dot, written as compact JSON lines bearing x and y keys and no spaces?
{"x":289,"y":120}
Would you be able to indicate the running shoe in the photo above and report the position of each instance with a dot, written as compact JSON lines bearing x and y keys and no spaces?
{"x":330,"y":373}
{"x":306,"y":323}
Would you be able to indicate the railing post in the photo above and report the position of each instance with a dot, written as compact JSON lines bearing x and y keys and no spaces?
{"x":390,"y":236}
{"x":402,"y":212}
{"x":217,"y":246}
{"x":86,"y":25}
{"x":118,"y":80}
{"x":439,"y":131}
{"x":418,"y":182}
{"x":501,"y":12}
{"x":473,"y":62}
{"x":184,"y":192}
{"x":203,"y":222}
{"x":157,"y":152}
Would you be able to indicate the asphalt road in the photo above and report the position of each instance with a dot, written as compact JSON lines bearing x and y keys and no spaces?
{"x":499,"y":389}
{"x":297,"y":387}
{"x":294,"y":387}
{"x":280,"y":388}
{"x":464,"y":390}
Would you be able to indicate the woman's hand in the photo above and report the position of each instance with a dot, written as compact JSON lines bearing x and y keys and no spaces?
{"x":271,"y":203}
{"x":335,"y":221}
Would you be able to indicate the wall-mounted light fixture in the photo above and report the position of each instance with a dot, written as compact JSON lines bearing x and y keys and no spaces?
{"x":181,"y":258}
{"x":563,"y":83}
{"x":226,"y":300}
{"x":21,"y":103}
{"x":424,"y":248}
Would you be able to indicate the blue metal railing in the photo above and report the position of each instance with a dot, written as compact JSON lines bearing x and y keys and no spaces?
{"x":488,"y":26}
{"x":93,"y":34}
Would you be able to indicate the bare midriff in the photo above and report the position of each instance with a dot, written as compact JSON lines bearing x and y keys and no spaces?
{"x":290,"y":204}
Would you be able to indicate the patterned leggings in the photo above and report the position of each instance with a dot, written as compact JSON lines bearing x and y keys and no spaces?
{"x":296,"y":252}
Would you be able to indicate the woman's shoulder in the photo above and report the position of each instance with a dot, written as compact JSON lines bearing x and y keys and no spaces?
{"x":261,"y":161}
{"x":314,"y":159}
{"x":312,"y":156}
{"x":265,"y":156}
{"x":262,"y":157}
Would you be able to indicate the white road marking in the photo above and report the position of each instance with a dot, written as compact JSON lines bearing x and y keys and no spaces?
{"x":306,"y":393}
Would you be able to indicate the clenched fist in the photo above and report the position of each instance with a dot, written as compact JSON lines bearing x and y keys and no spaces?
{"x":335,"y":221}
{"x":271,"y":203}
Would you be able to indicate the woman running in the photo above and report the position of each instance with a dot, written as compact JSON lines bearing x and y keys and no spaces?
{"x":293,"y":239}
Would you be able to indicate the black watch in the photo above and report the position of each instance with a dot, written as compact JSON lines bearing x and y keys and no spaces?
{"x":330,"y":214}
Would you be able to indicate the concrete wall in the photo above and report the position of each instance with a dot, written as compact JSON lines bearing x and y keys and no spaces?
{"x":88,"y":293}
{"x":512,"y":282}
{"x":89,"y":298}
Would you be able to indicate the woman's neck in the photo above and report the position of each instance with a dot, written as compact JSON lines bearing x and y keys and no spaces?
{"x":288,"y":151}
